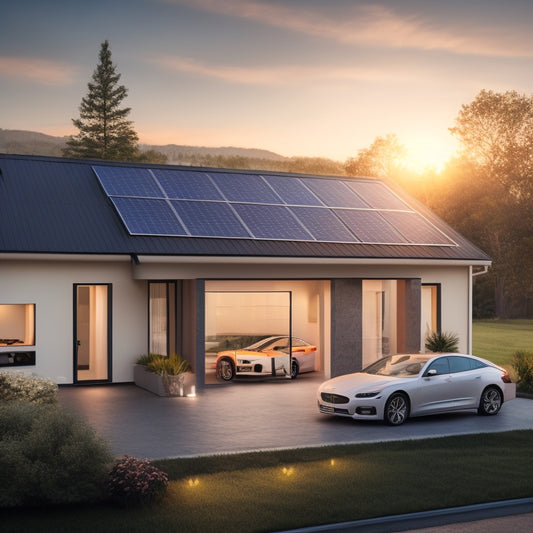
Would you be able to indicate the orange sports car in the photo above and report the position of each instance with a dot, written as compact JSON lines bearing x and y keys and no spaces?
{"x":268,"y":356}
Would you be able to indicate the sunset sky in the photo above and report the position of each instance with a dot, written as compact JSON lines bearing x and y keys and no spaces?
{"x":299,"y":77}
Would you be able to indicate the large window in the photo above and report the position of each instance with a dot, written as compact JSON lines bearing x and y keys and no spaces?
{"x":379,"y":319}
{"x":162,"y":317}
{"x":430,"y":313}
{"x":17,"y":325}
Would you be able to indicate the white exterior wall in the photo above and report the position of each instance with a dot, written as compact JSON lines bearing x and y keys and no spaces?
{"x":49,"y":285}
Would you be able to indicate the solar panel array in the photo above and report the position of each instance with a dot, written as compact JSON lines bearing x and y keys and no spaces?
{"x":187,"y":203}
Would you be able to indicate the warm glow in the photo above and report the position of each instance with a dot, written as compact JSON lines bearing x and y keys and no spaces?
{"x":288,"y":471}
{"x":193,"y":482}
{"x":427,"y":154}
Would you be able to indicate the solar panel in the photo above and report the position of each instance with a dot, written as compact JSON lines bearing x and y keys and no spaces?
{"x":133,"y":182}
{"x":272,"y":222}
{"x":210,"y":219}
{"x":292,"y":191}
{"x":245,"y":188}
{"x":323,"y":224}
{"x":334,"y":193}
{"x":370,"y":227}
{"x":187,"y":185}
{"x":144,"y":216}
{"x":416,"y":228}
{"x":377,"y":195}
{"x":184,"y":203}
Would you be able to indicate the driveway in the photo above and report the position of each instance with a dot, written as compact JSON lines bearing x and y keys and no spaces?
{"x":243,"y":416}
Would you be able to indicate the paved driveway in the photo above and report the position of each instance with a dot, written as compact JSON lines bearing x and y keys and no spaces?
{"x":243,"y":416}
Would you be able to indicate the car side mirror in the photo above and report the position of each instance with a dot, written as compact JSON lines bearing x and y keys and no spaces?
{"x":431,"y":373}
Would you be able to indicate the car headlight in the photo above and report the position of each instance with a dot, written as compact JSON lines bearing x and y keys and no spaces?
{"x":366,"y":394}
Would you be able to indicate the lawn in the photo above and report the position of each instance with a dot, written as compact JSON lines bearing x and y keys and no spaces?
{"x":279,"y":490}
{"x":286,"y":489}
{"x":497,"y":340}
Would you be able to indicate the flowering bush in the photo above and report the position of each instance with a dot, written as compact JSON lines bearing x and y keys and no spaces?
{"x":29,"y":388}
{"x":135,"y":482}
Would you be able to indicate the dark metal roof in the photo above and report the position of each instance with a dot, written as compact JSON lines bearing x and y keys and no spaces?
{"x":54,"y":205}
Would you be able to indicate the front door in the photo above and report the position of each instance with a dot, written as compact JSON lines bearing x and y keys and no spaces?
{"x":92,"y":327}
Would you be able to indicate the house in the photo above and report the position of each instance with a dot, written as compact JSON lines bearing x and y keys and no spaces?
{"x":101,"y":262}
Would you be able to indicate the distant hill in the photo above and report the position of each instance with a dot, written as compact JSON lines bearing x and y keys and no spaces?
{"x":30,"y":143}
{"x":34,"y":143}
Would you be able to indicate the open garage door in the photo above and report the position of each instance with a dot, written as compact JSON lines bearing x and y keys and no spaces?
{"x":248,"y":335}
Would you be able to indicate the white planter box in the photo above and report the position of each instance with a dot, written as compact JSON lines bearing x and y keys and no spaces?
{"x":181,"y":385}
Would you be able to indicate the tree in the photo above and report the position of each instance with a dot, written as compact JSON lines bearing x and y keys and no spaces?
{"x":385,"y":158}
{"x":104,"y":131}
{"x":496,"y":132}
{"x":490,"y":189}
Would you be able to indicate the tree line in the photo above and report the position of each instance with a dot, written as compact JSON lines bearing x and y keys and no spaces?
{"x":485,"y":192}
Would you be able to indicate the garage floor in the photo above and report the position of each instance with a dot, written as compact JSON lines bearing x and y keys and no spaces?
{"x":252,"y":415}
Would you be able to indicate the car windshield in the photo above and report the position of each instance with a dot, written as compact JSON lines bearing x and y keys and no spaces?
{"x":400,"y":366}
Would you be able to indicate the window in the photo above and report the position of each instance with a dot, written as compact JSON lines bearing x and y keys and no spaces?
{"x":463,"y":364}
{"x":162,"y":316}
{"x":441,"y":366}
{"x":430,"y":309}
{"x":17,"y":325}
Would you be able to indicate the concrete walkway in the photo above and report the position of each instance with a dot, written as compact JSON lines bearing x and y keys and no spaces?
{"x":244,"y":416}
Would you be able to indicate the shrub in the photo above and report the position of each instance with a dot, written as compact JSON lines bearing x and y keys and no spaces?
{"x":168,"y":366}
{"x":30,"y":388}
{"x":49,"y":456}
{"x":442,"y":342}
{"x":146,"y":359}
{"x":522,"y":363}
{"x":136,"y":482}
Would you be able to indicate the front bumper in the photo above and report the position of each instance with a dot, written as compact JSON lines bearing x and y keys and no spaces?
{"x":356,"y":408}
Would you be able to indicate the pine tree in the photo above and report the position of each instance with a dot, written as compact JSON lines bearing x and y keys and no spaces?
{"x":104,"y":132}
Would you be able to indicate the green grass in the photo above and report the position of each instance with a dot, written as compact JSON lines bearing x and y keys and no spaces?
{"x":272,"y":491}
{"x":497,"y":340}
{"x":252,"y":493}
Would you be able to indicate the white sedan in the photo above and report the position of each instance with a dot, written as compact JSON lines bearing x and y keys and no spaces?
{"x":401,"y":386}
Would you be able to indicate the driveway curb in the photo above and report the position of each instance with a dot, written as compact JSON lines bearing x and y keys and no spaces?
{"x":412,"y":521}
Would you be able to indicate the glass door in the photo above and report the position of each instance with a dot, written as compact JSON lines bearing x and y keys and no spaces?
{"x":92,"y":326}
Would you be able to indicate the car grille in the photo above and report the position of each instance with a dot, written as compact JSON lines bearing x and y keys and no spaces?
{"x":326,"y":409}
{"x":334,"y":398}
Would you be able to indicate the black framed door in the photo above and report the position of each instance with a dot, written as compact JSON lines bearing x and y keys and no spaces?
{"x":92,"y":332}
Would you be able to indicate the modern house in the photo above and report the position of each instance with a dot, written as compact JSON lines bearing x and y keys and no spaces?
{"x":102,"y":262}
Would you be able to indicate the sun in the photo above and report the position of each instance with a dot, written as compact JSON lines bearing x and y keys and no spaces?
{"x":428,"y":154}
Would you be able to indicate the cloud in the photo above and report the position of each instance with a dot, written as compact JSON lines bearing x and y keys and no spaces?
{"x":40,"y":71}
{"x":376,"y":26}
{"x":273,"y":75}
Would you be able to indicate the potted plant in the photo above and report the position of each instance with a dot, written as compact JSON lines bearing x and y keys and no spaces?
{"x":164,"y":375}
{"x":442,"y":342}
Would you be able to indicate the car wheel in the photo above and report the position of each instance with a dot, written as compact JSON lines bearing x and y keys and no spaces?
{"x":491,"y":402}
{"x":396,"y":409}
{"x":295,"y":369}
{"x":225,"y":369}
